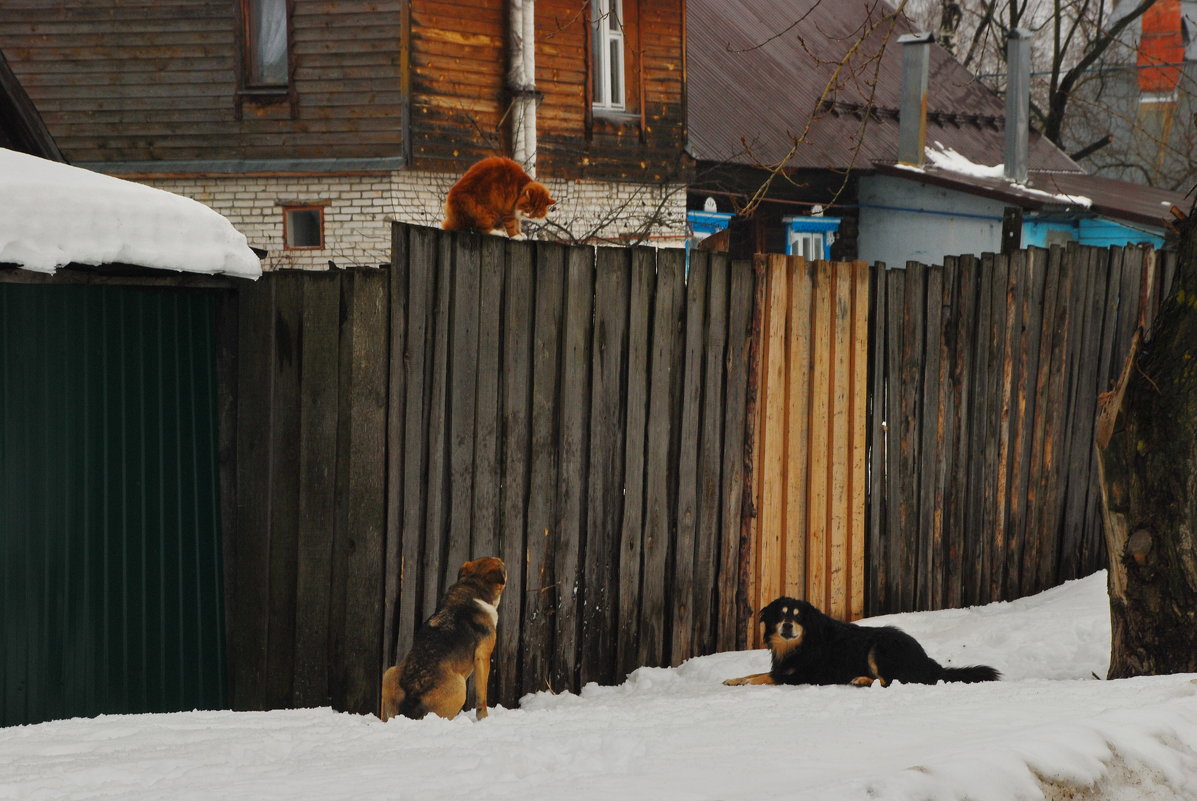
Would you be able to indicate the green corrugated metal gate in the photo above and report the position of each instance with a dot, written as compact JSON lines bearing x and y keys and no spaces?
{"x":110,"y":581}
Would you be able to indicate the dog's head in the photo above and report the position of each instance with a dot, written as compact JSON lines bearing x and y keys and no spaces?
{"x":488,"y":571}
{"x":786,"y":621}
{"x":534,"y":200}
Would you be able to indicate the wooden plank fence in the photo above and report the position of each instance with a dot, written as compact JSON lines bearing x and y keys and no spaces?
{"x":656,"y":454}
{"x":578,"y":412}
{"x":809,"y":476}
{"x":305,"y":538}
{"x":984,"y":397}
{"x":581,"y":414}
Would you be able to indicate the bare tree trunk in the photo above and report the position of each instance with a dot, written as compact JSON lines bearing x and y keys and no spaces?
{"x":1147,"y":448}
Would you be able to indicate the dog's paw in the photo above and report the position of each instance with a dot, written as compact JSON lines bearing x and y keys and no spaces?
{"x":862,"y":681}
{"x":736,"y":682}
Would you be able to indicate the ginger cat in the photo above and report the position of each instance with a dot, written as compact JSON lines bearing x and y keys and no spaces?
{"x":495,"y":193}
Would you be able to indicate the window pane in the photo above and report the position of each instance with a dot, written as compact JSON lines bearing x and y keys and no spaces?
{"x":613,"y":14}
{"x":617,"y":72}
{"x":268,"y":42}
{"x":303,"y":228}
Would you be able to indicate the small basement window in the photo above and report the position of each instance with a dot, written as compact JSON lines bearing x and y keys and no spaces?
{"x":303,"y":227}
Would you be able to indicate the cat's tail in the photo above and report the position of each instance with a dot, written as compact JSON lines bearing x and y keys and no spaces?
{"x":450,"y":223}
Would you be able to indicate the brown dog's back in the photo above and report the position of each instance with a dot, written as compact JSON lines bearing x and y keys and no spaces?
{"x":455,"y":642}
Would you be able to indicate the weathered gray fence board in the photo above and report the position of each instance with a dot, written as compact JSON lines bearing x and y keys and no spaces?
{"x":365,"y":516}
{"x":397,"y":303}
{"x":284,"y":494}
{"x":635,"y":434}
{"x":573,"y":445}
{"x":463,"y":383}
{"x":605,"y":495}
{"x":540,"y":594}
{"x":666,"y":348}
{"x":735,"y":456}
{"x":436,"y":519}
{"x":251,"y":547}
{"x":1002,"y":433}
{"x":515,"y":382}
{"x":317,"y":449}
{"x":708,"y":545}
{"x":686,"y":482}
{"x":418,"y":277}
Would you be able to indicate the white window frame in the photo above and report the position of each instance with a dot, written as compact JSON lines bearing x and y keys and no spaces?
{"x":811,"y":237}
{"x":607,"y":41}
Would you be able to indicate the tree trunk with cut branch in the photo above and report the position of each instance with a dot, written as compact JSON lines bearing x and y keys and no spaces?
{"x":1147,"y":447}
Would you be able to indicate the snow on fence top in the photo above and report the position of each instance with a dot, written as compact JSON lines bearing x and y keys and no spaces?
{"x":52,"y":214}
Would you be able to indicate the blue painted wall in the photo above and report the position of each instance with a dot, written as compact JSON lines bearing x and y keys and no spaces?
{"x":1096,"y":232}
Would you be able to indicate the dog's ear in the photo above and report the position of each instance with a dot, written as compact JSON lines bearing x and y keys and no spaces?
{"x":495,"y":571}
{"x":489,"y":568}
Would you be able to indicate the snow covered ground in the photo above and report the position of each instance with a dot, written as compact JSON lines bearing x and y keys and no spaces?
{"x":1049,"y":730}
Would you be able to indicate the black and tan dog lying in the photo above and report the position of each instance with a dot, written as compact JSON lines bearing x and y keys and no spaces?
{"x":456,"y":641}
{"x":808,"y":647}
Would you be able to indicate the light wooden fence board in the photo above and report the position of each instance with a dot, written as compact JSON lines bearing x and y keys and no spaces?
{"x":808,"y":538}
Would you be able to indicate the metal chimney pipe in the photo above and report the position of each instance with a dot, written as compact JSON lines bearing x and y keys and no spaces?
{"x":1018,"y":104}
{"x":912,"y":120}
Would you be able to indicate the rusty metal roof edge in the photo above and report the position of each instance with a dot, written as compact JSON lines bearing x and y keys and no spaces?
{"x":1026,"y":197}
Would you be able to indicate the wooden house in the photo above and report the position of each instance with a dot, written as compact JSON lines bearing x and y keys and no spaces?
{"x":309,"y":125}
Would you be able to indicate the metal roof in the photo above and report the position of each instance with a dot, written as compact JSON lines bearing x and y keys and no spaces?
{"x":1047,"y":191}
{"x":21,"y":127}
{"x":757,"y":70}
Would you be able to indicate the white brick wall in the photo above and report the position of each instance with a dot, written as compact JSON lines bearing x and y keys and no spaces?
{"x":359,"y":208}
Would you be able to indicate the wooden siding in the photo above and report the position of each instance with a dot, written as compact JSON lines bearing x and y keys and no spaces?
{"x":136,"y":81}
{"x":984,"y":398}
{"x":809,"y":479}
{"x":145,"y":81}
{"x":159,"y":81}
{"x":459,"y":59}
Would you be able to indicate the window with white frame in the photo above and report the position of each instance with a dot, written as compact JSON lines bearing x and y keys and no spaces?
{"x":607,"y":54}
{"x":811,"y":237}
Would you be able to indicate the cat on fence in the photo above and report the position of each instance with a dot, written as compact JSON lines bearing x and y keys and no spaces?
{"x":495,"y":193}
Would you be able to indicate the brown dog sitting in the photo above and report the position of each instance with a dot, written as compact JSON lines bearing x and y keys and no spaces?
{"x":454,"y":643}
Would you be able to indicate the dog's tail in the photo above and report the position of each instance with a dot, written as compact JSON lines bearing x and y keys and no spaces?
{"x":411,"y":708}
{"x":972,"y":674}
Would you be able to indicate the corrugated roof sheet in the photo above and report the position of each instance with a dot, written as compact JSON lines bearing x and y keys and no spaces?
{"x":757,"y":70}
{"x":1118,"y":200}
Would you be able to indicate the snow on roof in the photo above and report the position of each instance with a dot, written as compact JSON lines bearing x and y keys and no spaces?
{"x":946,"y":159}
{"x":56,"y":215}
